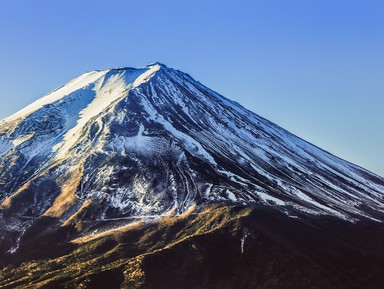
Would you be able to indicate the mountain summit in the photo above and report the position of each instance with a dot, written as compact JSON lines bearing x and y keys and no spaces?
{"x":116,"y":146}
{"x":133,"y":142}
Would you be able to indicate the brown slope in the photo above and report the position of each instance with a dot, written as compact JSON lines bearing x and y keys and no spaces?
{"x":203,"y":250}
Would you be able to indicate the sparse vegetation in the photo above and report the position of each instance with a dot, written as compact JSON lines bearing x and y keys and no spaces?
{"x":120,"y":253}
{"x":205,"y":250}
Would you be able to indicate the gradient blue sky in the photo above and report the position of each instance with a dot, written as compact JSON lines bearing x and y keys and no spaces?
{"x":315,"y":67}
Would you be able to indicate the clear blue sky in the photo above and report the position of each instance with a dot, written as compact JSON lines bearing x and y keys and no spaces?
{"x":315,"y":67}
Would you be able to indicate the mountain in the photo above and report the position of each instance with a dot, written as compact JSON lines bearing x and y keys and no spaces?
{"x":118,"y":153}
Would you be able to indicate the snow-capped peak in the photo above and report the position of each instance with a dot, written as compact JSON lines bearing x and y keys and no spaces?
{"x":106,"y":90}
{"x":157,"y":64}
{"x":127,"y":143}
{"x":55,"y":95}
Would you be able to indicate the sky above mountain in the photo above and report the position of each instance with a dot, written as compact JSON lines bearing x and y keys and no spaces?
{"x":313,"y":67}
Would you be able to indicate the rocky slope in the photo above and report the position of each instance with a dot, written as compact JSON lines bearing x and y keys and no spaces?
{"x":122,"y":145}
{"x":221,"y":247}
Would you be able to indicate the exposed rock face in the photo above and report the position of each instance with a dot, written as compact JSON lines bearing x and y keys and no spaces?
{"x":122,"y":144}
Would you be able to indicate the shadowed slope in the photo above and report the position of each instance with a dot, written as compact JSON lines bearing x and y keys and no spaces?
{"x":220,"y":247}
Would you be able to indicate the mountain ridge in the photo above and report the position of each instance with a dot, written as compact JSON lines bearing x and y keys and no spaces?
{"x":145,"y":178}
{"x":132,"y":143}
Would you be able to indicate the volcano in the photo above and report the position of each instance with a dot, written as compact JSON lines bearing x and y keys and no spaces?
{"x":146,"y":178}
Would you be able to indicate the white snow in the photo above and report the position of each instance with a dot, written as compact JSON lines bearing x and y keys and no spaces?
{"x":22,"y":139}
{"x":57,"y":94}
{"x":109,"y":89}
{"x":265,"y":197}
{"x":193,"y":146}
{"x":231,"y":196}
{"x":313,"y":180}
{"x":5,"y":146}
